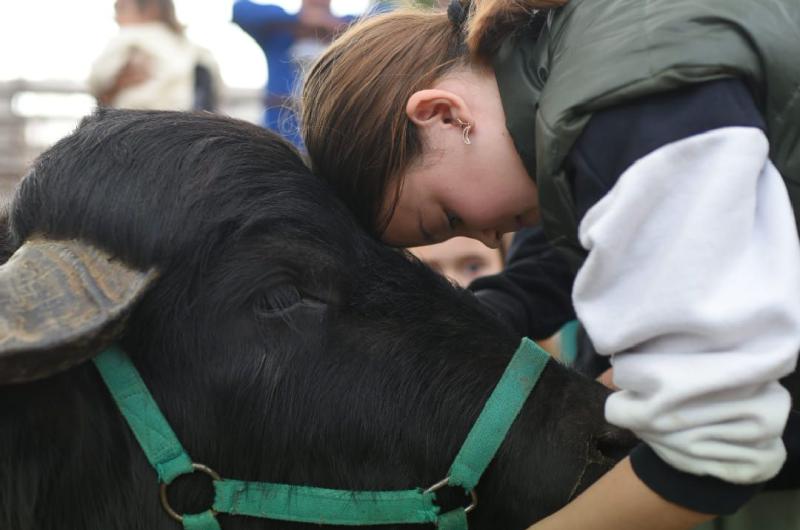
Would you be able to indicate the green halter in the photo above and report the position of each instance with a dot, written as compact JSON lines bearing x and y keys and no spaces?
{"x":319,"y":505}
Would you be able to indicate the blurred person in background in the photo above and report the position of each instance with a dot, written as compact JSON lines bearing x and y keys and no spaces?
{"x":461,"y":259}
{"x":151,"y":64}
{"x":289,"y":42}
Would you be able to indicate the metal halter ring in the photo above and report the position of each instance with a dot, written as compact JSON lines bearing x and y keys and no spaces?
{"x":163,"y":493}
{"x":445,"y":482}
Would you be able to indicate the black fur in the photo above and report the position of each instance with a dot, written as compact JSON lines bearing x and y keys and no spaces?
{"x":5,"y":234}
{"x":281,"y":342}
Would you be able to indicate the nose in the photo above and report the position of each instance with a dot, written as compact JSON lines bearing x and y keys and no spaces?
{"x":490,"y":238}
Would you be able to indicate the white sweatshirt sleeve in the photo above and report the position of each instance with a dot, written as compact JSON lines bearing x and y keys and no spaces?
{"x":692,"y":285}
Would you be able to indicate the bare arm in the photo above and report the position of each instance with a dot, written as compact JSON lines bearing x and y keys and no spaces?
{"x":620,"y":501}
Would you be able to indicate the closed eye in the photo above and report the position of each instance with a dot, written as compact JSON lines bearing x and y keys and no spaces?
{"x":279,"y":299}
{"x":283,"y":295}
{"x":453,"y":221}
{"x":286,"y":303}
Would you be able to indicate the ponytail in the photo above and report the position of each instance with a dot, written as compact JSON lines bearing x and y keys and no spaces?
{"x":492,"y":20}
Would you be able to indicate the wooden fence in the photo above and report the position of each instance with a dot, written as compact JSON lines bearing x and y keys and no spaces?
{"x":35,"y":114}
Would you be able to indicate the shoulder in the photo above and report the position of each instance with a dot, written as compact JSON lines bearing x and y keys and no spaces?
{"x":618,"y":137}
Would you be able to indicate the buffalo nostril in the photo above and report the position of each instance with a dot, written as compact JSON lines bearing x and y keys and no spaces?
{"x":615,"y":444}
{"x":604,"y":450}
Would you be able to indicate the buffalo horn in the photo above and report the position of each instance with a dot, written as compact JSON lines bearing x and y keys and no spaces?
{"x":61,"y":302}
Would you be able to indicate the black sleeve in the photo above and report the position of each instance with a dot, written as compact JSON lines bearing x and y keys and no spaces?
{"x":703,"y":494}
{"x":533,"y":293}
{"x":789,"y":476}
{"x":616,"y":138}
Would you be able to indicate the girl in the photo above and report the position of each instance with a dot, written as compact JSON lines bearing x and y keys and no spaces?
{"x":655,"y":142}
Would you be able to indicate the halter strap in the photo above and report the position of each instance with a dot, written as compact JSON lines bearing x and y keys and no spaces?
{"x":321,"y":505}
{"x":498,"y":414}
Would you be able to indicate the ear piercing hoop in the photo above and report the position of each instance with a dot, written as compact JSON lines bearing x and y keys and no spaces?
{"x":466,"y":127}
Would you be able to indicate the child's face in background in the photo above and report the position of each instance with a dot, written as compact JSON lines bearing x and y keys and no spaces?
{"x":460,"y":259}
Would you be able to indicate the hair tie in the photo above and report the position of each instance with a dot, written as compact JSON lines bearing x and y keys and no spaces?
{"x":457,"y":12}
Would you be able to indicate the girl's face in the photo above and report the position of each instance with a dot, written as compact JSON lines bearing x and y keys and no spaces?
{"x":479,"y":190}
{"x":482,"y":201}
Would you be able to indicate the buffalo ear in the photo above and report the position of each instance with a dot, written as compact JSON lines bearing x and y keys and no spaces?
{"x":61,"y":302}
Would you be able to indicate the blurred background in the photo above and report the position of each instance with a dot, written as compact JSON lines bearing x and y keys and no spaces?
{"x":48,"y":48}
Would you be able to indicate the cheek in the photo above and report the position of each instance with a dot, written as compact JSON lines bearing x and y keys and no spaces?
{"x":511,"y":175}
{"x":503,"y":190}
{"x":494,"y":206}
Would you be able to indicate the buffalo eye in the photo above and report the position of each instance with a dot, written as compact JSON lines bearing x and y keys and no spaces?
{"x":278,"y":299}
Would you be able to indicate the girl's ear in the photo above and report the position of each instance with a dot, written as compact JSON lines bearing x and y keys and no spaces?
{"x":433,"y":106}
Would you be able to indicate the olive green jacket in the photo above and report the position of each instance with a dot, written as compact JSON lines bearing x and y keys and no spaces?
{"x":595,"y":54}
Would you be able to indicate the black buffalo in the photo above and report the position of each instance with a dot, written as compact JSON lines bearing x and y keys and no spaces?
{"x":282,"y":343}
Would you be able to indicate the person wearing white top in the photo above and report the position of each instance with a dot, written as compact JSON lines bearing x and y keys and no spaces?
{"x":150,"y":64}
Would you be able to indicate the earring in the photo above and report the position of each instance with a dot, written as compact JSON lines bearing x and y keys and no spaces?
{"x":466,"y":127}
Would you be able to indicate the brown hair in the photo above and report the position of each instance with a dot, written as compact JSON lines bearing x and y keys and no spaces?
{"x":353,"y":102}
{"x":492,"y":20}
{"x":166,"y":13}
{"x":352,"y":107}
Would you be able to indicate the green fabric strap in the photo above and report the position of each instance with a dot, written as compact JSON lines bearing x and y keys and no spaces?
{"x":568,"y":340}
{"x":324,"y":506}
{"x":453,"y":520}
{"x":321,"y":505}
{"x":499,"y":413}
{"x":201,"y":521}
{"x":151,"y":429}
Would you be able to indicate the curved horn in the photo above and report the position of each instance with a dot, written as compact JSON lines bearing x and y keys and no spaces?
{"x":60,"y":303}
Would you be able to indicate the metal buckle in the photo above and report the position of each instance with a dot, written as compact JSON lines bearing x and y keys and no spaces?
{"x":445,"y":482}
{"x":163,"y":493}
